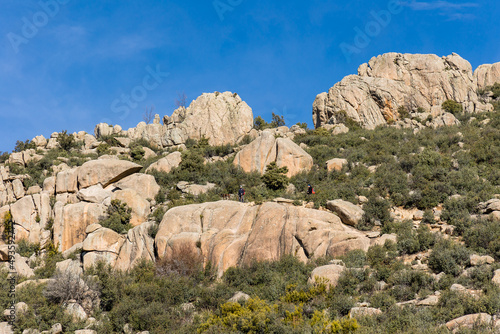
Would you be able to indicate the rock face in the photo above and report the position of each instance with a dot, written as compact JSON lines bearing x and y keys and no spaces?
{"x":195,"y":189}
{"x":230,"y":233}
{"x":137,"y":246}
{"x":71,"y":221}
{"x":222,"y":118}
{"x":392,"y":80}
{"x":357,"y":312}
{"x":266,"y":149}
{"x":105,"y":172}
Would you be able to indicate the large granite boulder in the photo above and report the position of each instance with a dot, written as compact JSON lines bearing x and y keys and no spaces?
{"x":230,"y":233}
{"x":349,"y":213}
{"x":102,"y":244}
{"x":394,"y":80}
{"x":266,"y":149}
{"x":143,"y":184}
{"x":330,"y":273}
{"x":167,"y":163}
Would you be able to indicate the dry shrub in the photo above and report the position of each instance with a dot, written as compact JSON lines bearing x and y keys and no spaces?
{"x":67,"y":286}
{"x":183,"y":258}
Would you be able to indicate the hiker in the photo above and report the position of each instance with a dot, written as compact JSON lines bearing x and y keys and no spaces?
{"x":241,"y":193}
{"x":310,"y":190}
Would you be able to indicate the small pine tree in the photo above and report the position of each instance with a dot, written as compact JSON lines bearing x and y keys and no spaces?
{"x":259,"y":123}
{"x":275,"y":177}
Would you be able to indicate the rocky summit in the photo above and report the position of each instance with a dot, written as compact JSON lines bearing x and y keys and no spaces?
{"x":419,"y":83}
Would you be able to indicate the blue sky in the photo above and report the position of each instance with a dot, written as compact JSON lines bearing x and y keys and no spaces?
{"x":67,"y":64}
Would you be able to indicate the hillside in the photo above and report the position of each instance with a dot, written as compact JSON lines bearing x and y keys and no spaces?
{"x":140,"y":230}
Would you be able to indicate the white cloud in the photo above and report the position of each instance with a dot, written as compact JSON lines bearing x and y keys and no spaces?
{"x":442,"y":5}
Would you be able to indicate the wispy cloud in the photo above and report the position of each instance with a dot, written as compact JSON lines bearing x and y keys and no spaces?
{"x":459,"y":16}
{"x":438,"y":5}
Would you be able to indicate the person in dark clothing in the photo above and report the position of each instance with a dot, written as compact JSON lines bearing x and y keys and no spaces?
{"x":310,"y":189}
{"x":241,"y":194}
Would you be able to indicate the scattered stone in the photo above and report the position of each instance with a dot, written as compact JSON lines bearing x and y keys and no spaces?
{"x":76,"y":311}
{"x":331,"y":273}
{"x":358,"y":312}
{"x":477,"y":260}
{"x":239,"y":296}
{"x":335,"y":164}
{"x":468,"y":321}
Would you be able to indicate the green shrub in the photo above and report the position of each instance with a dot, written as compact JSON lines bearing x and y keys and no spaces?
{"x":137,"y":153}
{"x":22,"y":146}
{"x":452,"y":107}
{"x":354,"y":258}
{"x":103,"y":148}
{"x":66,"y":141}
{"x":483,"y":236}
{"x":153,"y":230}
{"x":403,"y":112}
{"x":26,"y":248}
{"x":449,"y":257}
{"x":118,"y":219}
{"x":375,"y":210}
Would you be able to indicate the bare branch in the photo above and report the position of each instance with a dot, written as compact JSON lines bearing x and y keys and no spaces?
{"x":149,"y":115}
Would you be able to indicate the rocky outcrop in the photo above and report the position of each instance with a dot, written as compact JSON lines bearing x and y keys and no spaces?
{"x":357,"y":312}
{"x":66,"y":181}
{"x":105,"y":172}
{"x":266,"y":149}
{"x":194,"y":189}
{"x":30,"y":215}
{"x":230,"y":233}
{"x":394,"y":80}
{"x":94,"y":194}
{"x":335,"y":164}
{"x":222,"y":118}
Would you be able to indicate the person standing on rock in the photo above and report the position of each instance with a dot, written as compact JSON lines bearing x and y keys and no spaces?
{"x":241,"y":194}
